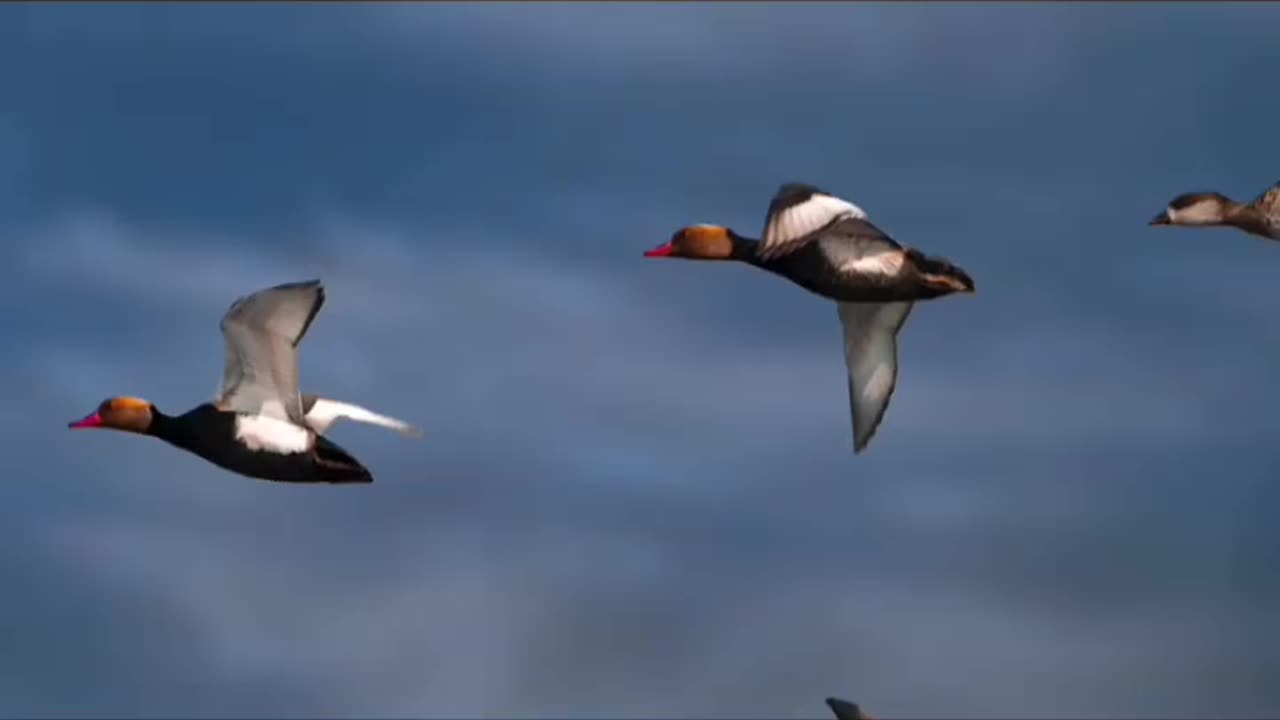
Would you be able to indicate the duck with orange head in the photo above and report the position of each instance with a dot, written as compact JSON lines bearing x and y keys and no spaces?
{"x":259,"y":425}
{"x":827,"y":246}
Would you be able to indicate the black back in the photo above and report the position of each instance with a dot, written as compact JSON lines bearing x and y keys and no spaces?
{"x":210,"y":433}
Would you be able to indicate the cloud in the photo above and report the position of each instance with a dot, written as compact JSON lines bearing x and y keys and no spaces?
{"x":636,"y":496}
{"x":546,"y":551}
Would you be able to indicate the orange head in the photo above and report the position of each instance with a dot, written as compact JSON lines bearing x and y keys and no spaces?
{"x":698,"y":242}
{"x":119,"y":413}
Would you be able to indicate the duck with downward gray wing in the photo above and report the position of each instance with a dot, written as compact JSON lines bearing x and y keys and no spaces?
{"x":828,"y":246}
{"x":259,"y":425}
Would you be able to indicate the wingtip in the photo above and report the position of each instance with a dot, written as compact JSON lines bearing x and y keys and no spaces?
{"x":301,"y":284}
{"x":845,"y":710}
{"x":411,"y":432}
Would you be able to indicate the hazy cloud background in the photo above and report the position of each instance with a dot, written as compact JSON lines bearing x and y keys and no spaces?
{"x":636,"y":495}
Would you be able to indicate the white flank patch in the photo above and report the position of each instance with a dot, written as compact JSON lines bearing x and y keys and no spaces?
{"x":325,"y":412}
{"x":883,"y":263}
{"x":259,"y":432}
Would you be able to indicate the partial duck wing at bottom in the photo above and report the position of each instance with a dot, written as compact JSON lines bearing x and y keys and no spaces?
{"x":321,"y":413}
{"x":845,"y":710}
{"x":871,"y":354}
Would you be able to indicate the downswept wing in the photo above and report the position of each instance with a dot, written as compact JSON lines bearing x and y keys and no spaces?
{"x":797,"y":215}
{"x":871,"y":355}
{"x":262,"y":332}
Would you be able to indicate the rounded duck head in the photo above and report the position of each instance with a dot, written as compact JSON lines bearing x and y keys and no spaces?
{"x":1196,"y":209}
{"x":697,"y":242}
{"x":129,"y":414}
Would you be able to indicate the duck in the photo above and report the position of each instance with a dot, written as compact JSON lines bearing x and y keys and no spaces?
{"x":845,"y":710}
{"x":828,"y":246}
{"x":259,"y":425}
{"x":1260,"y":217}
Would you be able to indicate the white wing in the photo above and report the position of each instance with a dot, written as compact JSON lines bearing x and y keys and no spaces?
{"x":871,"y":354}
{"x":262,"y":332}
{"x":322,"y":413}
{"x":797,"y":214}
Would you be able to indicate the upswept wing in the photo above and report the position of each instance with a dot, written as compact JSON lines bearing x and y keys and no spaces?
{"x":798,"y":214}
{"x":262,"y":332}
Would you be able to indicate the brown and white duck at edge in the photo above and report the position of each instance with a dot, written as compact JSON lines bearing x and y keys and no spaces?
{"x":260,"y":425}
{"x":1261,"y":216}
{"x":828,"y":246}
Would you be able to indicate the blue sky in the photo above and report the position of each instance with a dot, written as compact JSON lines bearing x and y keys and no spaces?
{"x":636,"y":496}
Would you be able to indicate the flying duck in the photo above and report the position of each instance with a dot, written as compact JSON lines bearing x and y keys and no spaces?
{"x":828,"y":246}
{"x":259,"y":425}
{"x":845,"y":710}
{"x":1260,"y":217}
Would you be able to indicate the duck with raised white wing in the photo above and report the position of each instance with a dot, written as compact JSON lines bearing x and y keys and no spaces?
{"x":829,"y":247}
{"x":1261,"y":216}
{"x":259,"y":425}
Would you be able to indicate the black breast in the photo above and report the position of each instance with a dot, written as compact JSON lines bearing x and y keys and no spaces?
{"x":210,"y":433}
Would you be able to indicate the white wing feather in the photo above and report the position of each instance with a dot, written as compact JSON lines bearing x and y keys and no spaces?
{"x":871,"y":355}
{"x":791,"y":227}
{"x":262,"y":332}
{"x":322,"y":413}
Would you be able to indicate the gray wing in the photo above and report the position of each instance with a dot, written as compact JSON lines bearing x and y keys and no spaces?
{"x":795,"y":220}
{"x":871,"y":355}
{"x":262,"y":332}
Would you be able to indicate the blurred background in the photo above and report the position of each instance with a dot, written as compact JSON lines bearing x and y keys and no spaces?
{"x":636,"y":494}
